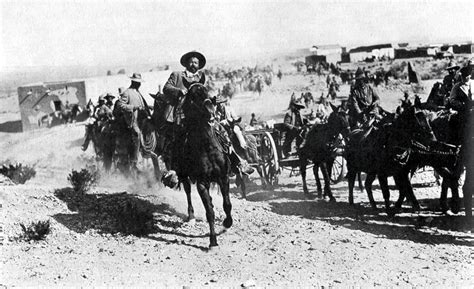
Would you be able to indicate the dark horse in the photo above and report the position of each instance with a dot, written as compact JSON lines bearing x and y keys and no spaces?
{"x":318,"y":147}
{"x":447,"y":127}
{"x":395,"y":149}
{"x":203,"y":159}
{"x":363,"y":148}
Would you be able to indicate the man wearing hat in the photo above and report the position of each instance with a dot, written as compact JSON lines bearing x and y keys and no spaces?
{"x":105,"y":111}
{"x":323,"y":110}
{"x":129,"y":111}
{"x":294,"y":122}
{"x":91,"y":122}
{"x":174,"y":91}
{"x":363,"y":100}
{"x":460,"y":98}
{"x":226,"y":115}
{"x":449,"y":80}
{"x":178,"y":83}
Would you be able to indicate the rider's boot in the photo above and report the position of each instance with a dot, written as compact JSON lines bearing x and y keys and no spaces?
{"x":239,"y":163}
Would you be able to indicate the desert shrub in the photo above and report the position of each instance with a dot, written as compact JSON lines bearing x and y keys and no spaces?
{"x":83,"y":180}
{"x":35,"y":231}
{"x":133,"y":218}
{"x":18,"y":173}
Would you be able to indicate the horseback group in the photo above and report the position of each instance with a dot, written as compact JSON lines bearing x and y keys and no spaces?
{"x":187,"y":133}
{"x":383,"y":144}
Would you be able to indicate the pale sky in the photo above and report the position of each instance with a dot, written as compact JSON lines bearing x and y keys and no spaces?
{"x":109,"y":32}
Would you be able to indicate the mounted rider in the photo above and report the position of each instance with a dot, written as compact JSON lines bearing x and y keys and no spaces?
{"x":450,"y":79}
{"x":460,"y":99}
{"x":130,"y":111}
{"x":226,"y":115}
{"x":91,"y":122}
{"x":323,"y":109}
{"x":104,"y":113}
{"x":363,"y":101}
{"x":174,"y":91}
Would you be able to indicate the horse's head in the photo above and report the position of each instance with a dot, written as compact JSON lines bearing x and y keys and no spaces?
{"x":415,"y":122}
{"x":338,"y":120}
{"x":198,"y":105}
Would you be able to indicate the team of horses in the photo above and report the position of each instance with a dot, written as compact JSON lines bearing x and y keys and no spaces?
{"x":396,"y":145}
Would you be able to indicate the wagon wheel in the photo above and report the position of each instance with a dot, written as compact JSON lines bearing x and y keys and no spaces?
{"x":338,"y":169}
{"x":270,"y":166}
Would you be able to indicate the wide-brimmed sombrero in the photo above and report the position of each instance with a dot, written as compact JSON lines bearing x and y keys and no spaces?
{"x":453,"y":67}
{"x":297,"y":103}
{"x":221,"y":99}
{"x":109,"y":95}
{"x":136,"y":77}
{"x":185,"y":58}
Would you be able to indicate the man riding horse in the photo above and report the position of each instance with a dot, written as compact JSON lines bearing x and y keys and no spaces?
{"x":91,"y":123}
{"x":226,"y":115}
{"x":363,"y":101}
{"x":450,"y":79}
{"x":175,"y":91}
{"x":460,"y":98}
{"x":130,"y":111}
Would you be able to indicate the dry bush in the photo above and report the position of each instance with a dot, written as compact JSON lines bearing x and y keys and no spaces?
{"x":35,"y":231}
{"x":18,"y":173}
{"x":83,"y":180}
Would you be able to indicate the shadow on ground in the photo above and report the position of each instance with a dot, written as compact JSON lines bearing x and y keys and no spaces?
{"x":122,"y":213}
{"x":426,"y":227}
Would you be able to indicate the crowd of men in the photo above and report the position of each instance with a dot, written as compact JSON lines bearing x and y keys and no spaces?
{"x":363,"y":104}
{"x":128,"y":114}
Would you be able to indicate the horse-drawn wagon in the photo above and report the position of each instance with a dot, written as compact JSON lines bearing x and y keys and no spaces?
{"x":270,"y":146}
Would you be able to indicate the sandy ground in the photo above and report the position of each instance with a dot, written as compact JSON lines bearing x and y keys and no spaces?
{"x":279,"y":238}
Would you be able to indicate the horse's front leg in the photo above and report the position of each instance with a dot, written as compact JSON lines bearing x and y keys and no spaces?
{"x":385,"y":191}
{"x":403,"y":182}
{"x":303,"y":175}
{"x":359,"y":179}
{"x":203,"y":189}
{"x":368,"y":186}
{"x":351,"y":175}
{"x":318,"y":181}
{"x":187,"y":188}
{"x":455,"y":203}
{"x":327,"y":182}
{"x":224,"y":185}
{"x":467,"y":190}
{"x":443,"y":199}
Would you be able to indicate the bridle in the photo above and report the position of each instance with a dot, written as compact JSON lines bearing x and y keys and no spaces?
{"x":193,"y":104}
